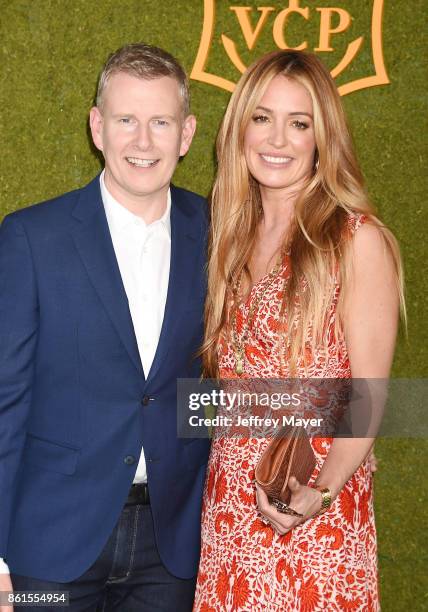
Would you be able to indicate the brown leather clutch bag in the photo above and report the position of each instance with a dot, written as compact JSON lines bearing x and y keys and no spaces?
{"x":288,"y":454}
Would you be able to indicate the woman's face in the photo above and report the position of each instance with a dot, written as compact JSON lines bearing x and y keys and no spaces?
{"x":279,"y":142}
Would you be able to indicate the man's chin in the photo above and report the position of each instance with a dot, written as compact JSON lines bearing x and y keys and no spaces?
{"x":146,"y":191}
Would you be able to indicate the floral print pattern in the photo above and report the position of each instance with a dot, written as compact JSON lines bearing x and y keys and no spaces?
{"x":328,"y":563}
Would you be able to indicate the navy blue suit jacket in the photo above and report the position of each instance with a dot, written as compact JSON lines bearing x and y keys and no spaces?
{"x":75,"y":406}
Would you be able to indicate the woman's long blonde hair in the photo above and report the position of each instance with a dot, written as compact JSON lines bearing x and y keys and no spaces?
{"x":318,"y":248}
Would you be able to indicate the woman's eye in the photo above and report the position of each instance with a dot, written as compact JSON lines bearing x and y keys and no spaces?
{"x":301,"y":125}
{"x":260,"y":118}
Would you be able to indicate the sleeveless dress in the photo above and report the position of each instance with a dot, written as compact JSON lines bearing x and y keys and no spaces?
{"x":329,"y":562}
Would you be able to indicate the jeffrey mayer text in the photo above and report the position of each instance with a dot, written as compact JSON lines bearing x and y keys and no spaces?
{"x":254,"y":421}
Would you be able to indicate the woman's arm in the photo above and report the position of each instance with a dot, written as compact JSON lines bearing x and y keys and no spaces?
{"x":370,"y":323}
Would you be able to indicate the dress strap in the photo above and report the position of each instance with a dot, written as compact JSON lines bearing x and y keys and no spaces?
{"x":355,"y":221}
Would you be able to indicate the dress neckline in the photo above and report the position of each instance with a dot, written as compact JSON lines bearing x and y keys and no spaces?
{"x":245,"y":302}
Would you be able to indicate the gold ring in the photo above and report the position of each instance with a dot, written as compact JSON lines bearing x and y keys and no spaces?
{"x":284,"y":508}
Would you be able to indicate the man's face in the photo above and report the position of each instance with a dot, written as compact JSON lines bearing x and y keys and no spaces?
{"x":142,"y":133}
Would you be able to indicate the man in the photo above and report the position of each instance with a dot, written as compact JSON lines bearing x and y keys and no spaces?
{"x":101,"y":300}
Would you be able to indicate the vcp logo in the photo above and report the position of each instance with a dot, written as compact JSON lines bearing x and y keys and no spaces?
{"x":290,"y":23}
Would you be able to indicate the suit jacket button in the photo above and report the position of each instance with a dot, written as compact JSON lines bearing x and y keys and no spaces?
{"x":129,"y":459}
{"x":145,"y":401}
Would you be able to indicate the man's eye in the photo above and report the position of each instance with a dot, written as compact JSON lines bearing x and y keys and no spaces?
{"x":125,"y":120}
{"x":301,"y":125}
{"x":260,"y":118}
{"x":161,"y":122}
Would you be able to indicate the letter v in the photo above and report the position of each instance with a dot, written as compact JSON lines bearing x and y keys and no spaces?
{"x":242,"y":13}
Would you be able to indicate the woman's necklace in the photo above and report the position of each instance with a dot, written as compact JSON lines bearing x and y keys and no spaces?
{"x":239,"y":341}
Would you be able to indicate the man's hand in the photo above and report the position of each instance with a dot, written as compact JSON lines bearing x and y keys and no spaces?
{"x":5,"y":585}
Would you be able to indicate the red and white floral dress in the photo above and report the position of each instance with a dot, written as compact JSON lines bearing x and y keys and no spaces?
{"x":328,"y":563}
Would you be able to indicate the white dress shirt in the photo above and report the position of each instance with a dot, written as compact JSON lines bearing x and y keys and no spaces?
{"x":143,"y":254}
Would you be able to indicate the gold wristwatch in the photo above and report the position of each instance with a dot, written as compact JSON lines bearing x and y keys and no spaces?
{"x":326,"y":497}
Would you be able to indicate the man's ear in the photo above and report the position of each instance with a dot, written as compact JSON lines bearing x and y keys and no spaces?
{"x":187,"y":133}
{"x":96,"y":125}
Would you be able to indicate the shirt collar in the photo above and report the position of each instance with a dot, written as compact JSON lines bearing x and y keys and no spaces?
{"x":119,"y":217}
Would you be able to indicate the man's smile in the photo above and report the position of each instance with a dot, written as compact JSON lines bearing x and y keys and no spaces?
{"x":142,"y":163}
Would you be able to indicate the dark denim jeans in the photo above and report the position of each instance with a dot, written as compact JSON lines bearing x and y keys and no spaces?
{"x":128,"y":576}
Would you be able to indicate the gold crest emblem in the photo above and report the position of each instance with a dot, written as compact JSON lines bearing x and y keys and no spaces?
{"x":332,"y":21}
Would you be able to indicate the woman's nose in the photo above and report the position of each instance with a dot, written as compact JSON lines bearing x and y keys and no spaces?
{"x":278,"y":135}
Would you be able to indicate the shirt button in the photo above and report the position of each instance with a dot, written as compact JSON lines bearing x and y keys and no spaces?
{"x":129,"y":460}
{"x":145,"y":401}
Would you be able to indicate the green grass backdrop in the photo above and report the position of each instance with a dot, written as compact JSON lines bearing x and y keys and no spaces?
{"x":51,"y":53}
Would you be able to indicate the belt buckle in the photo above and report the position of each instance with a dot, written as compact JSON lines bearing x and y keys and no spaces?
{"x":139,"y":494}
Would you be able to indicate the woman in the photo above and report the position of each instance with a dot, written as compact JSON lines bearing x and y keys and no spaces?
{"x":304,"y":281}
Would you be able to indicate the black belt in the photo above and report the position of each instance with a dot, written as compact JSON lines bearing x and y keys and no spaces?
{"x":138,"y":494}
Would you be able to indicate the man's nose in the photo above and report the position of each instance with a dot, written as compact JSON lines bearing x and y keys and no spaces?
{"x":143,"y":137}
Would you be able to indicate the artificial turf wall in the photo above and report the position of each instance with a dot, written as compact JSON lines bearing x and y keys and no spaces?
{"x":51,"y":53}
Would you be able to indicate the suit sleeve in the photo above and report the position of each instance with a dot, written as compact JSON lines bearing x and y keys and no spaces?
{"x":18,"y":336}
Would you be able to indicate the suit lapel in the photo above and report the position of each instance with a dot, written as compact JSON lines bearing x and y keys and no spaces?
{"x":93,"y":242}
{"x":185,"y":235}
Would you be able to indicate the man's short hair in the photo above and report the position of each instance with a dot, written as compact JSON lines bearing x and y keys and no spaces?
{"x":145,"y":62}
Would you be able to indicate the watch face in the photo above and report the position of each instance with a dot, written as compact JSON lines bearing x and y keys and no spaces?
{"x":326,"y":498}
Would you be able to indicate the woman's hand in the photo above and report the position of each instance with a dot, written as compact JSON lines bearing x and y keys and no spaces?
{"x":305,"y":500}
{"x":372,"y":459}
